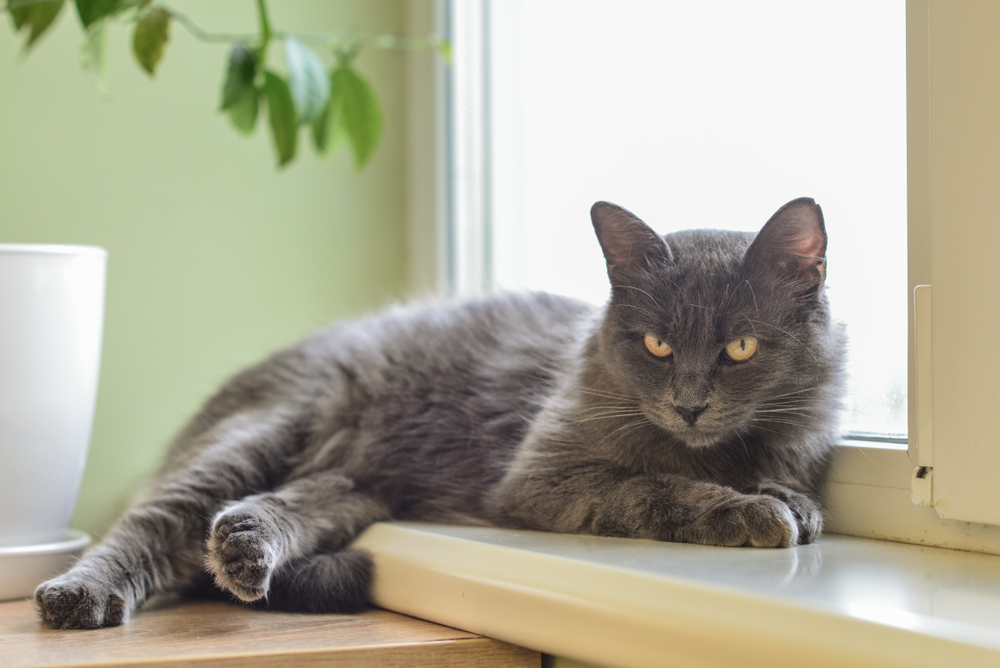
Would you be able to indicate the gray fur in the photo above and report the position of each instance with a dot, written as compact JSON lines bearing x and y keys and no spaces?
{"x":525,"y":411}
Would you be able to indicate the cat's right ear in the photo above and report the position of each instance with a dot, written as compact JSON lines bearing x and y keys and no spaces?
{"x":627,"y":242}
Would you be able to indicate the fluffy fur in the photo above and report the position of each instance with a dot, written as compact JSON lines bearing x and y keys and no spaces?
{"x":524,"y":411}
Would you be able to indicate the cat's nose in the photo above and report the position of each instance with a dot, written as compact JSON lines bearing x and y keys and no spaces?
{"x":690,"y":413}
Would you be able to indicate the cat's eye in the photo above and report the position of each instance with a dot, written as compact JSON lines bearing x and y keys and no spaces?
{"x":657,"y":347}
{"x":742,"y":348}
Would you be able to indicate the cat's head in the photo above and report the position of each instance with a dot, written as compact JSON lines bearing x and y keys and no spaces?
{"x":718,"y":333}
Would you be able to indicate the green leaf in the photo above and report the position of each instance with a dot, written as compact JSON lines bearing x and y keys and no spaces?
{"x":151,"y":34}
{"x":327,"y":129}
{"x":281,"y":110}
{"x":354,"y":106}
{"x":243,"y":113}
{"x":37,"y":16}
{"x":307,"y":80}
{"x":239,"y":92}
{"x":94,"y":58}
{"x":240,"y":75}
{"x":91,"y":11}
{"x":320,"y":130}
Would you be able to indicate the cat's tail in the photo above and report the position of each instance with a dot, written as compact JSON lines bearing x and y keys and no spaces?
{"x":338,"y":582}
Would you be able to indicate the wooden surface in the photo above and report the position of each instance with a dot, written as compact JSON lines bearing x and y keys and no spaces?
{"x":210,"y":634}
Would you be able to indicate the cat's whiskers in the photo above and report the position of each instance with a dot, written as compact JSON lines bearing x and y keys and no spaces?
{"x":788,"y":412}
{"x":789,"y":402}
{"x":745,"y":448}
{"x":788,"y":394}
{"x":605,"y":393}
{"x":612,"y":412}
{"x":806,"y":408}
{"x":634,"y":424}
{"x":770,"y":420}
{"x":634,"y":427}
{"x":797,"y":401}
{"x":599,"y":401}
{"x":618,"y":405}
{"x":790,"y":398}
{"x":608,"y":417}
{"x":765,"y":429}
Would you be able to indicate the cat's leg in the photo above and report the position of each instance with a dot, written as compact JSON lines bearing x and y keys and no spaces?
{"x":157,"y":545}
{"x":251,"y":540}
{"x":599,"y":498}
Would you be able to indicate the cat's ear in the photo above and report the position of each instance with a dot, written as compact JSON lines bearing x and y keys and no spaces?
{"x":627,"y":242}
{"x":793,"y":242}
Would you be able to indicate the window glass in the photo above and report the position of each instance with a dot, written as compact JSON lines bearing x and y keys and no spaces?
{"x":709,"y":115}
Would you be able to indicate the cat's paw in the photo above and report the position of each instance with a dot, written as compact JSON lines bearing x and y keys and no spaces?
{"x":808,"y":515}
{"x":751,"y":520}
{"x":242,"y":553}
{"x":73,"y":601}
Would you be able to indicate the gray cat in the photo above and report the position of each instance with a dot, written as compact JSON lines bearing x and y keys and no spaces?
{"x":698,"y":406}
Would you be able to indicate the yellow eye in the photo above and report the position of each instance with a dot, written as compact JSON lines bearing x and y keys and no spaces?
{"x":742,"y":348}
{"x":657,"y":347}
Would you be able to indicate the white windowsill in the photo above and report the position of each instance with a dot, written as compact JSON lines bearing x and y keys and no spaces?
{"x":841,"y":602}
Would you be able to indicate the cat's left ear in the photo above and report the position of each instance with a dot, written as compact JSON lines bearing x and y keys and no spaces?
{"x":627,"y":242}
{"x":793,"y":242}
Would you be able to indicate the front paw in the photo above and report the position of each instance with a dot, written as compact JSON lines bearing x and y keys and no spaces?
{"x":73,"y":601}
{"x":749,"y":520}
{"x":808,"y":515}
{"x":242,"y":553}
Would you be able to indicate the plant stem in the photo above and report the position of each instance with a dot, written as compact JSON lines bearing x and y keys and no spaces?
{"x":202,"y":36}
{"x":265,"y":30}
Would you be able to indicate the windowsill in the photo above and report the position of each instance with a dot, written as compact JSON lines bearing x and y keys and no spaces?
{"x":617,"y":602}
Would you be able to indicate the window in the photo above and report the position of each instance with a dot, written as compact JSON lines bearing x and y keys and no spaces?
{"x":695,"y":115}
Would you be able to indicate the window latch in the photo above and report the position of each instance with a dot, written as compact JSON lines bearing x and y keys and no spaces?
{"x":920,"y":486}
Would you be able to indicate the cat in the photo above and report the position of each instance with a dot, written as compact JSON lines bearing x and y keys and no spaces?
{"x":699,"y":405}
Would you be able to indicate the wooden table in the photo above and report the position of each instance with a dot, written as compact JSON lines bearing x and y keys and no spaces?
{"x":174,"y":634}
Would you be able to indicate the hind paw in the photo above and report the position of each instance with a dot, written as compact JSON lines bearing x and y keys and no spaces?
{"x":242,"y":553}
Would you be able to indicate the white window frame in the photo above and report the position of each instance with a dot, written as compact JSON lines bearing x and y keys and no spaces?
{"x":871,"y":489}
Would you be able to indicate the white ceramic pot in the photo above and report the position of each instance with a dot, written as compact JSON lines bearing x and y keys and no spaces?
{"x":24,"y":567}
{"x":51,"y":322}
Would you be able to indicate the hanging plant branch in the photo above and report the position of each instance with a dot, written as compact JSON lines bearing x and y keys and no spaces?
{"x":208,"y":37}
{"x":338,"y":104}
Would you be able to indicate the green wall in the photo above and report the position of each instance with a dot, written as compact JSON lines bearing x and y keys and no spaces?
{"x":216,"y":257}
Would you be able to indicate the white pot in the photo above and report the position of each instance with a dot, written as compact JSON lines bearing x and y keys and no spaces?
{"x":51,"y":322}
